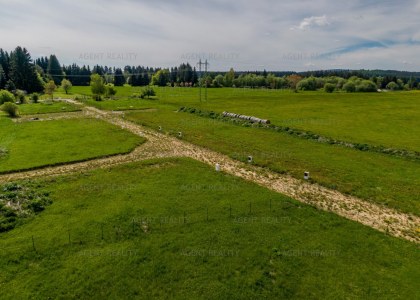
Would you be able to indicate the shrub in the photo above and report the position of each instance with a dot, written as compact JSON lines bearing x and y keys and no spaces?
{"x":20,"y":96}
{"x":392,"y":86}
{"x":329,"y":87}
{"x":366,"y":86}
{"x":6,"y":96}
{"x":110,"y":90}
{"x":349,"y":87}
{"x":10,"y":108}
{"x":308,"y":84}
{"x":35,"y":97}
{"x":147,"y":92}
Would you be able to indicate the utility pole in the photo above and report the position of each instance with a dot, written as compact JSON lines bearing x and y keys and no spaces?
{"x":205,"y":76}
{"x":199,"y":78}
{"x":200,"y":63}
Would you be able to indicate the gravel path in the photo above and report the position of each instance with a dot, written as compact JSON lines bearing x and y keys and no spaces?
{"x":160,"y":145}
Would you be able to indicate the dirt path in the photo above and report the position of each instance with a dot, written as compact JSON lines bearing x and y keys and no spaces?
{"x":160,"y":145}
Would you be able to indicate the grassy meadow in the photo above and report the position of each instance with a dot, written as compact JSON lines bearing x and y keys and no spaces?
{"x":35,"y":144}
{"x":116,"y":233}
{"x":376,"y":177}
{"x":389,"y":119}
{"x":46,"y":107}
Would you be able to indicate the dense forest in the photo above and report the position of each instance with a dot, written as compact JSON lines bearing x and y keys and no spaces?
{"x":18,"y":71}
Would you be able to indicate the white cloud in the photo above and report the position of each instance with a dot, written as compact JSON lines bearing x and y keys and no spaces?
{"x":312,"y":22}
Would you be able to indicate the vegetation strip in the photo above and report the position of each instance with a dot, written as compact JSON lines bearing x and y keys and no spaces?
{"x":300,"y":133}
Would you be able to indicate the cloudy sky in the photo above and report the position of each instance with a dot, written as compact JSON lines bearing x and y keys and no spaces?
{"x":244,"y":34}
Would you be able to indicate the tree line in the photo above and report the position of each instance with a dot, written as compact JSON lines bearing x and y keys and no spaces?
{"x":19,"y":72}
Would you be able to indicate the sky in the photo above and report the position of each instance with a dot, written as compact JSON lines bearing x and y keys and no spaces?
{"x":274,"y":35}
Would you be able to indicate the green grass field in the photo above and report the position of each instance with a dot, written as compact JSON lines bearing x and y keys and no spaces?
{"x":34,"y":144}
{"x":376,"y":177}
{"x":118,"y":234}
{"x":46,"y":107}
{"x":389,"y":119}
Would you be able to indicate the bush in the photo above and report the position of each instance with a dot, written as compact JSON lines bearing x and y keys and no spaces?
{"x":147,"y":92}
{"x":35,"y":97}
{"x":366,"y":86}
{"x":10,"y":108}
{"x":349,"y":87}
{"x":392,"y":86}
{"x":329,"y":87}
{"x":20,"y":96}
{"x":110,"y":90}
{"x":6,"y":96}
{"x":309,"y":84}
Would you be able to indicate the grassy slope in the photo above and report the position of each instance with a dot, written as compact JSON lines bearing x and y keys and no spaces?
{"x":388,"y":180}
{"x":273,"y":256}
{"x":35,"y":144}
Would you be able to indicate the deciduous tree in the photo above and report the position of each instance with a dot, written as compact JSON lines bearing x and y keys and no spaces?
{"x":97,"y":86}
{"x":50,"y":88}
{"x":66,"y":85}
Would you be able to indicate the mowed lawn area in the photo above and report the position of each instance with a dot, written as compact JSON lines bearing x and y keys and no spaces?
{"x":35,"y":144}
{"x":118,"y":233}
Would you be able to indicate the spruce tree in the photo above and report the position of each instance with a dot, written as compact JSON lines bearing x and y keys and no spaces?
{"x":22,"y":71}
{"x":119,"y":79}
{"x":54,"y":70}
{"x":5,"y":63}
{"x":2,"y":78}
